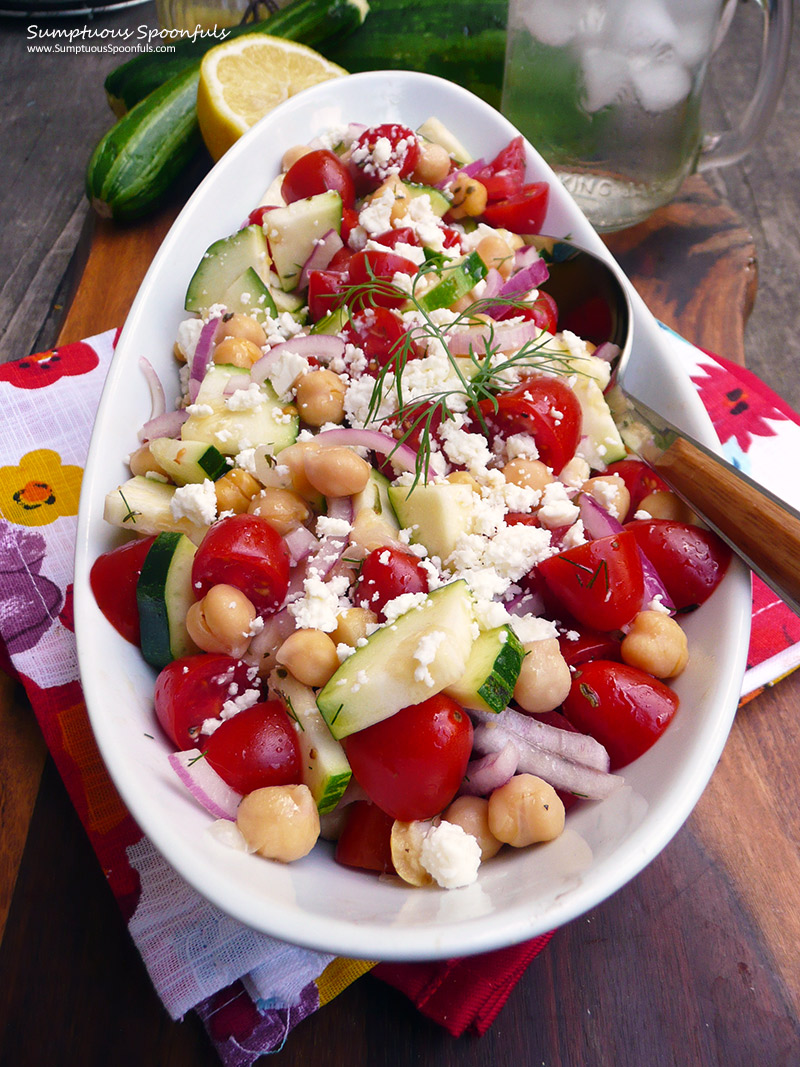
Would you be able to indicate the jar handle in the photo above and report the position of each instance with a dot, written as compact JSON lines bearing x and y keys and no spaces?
{"x":720,"y":149}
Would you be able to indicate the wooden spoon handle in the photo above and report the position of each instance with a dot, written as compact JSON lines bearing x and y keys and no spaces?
{"x":759,"y":527}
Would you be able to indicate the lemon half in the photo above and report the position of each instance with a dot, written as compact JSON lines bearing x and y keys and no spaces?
{"x":243,"y":79}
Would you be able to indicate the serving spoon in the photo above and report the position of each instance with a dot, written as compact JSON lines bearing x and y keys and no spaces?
{"x":762,"y":529}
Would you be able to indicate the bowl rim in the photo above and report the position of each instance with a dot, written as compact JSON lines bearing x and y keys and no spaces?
{"x":365,"y":937}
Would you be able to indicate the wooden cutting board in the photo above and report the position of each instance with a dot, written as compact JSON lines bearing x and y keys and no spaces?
{"x":693,"y":262}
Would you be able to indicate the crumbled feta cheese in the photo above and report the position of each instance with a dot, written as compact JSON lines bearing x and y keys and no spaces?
{"x":196,"y":502}
{"x":521,"y":445}
{"x":393,"y":609}
{"x":286,"y":371}
{"x":327,"y":526}
{"x":557,"y":509}
{"x":321,"y":603}
{"x":246,"y":460}
{"x":530,"y":628}
{"x":450,"y":855}
{"x":199,"y":409}
{"x":249,"y":399}
{"x":425,"y":654}
{"x":239,"y":703}
{"x":188,"y":335}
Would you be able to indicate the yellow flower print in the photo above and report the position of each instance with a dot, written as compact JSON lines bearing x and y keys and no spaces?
{"x":40,"y":490}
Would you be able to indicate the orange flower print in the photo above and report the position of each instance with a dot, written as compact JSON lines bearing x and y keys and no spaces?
{"x":40,"y":490}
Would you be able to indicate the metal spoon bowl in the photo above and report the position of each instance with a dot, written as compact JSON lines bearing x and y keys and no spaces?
{"x":760,"y":528}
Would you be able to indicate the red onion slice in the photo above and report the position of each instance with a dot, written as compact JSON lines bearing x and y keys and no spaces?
{"x":500,"y":338}
{"x":204,"y":784}
{"x":158,"y":401}
{"x":402,"y":457}
{"x":560,"y":772}
{"x":518,"y":285}
{"x":323,"y":252}
{"x":597,"y":522}
{"x":276,"y":629}
{"x":300,"y":543}
{"x":323,"y":346}
{"x":166,"y":425}
{"x":607,"y":351}
{"x":203,"y":350}
{"x":572,"y":745}
{"x":489,"y":772}
{"x":654,"y":588}
{"x":331,"y":547}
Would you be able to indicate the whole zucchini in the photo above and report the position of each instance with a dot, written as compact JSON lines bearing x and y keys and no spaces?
{"x":135,"y":163}
{"x":461,"y":40}
{"x":310,"y":22}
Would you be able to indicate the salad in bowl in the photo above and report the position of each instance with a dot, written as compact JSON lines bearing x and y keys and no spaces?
{"x":410,"y":656}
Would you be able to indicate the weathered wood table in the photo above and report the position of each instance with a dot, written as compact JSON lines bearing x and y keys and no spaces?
{"x":694,"y":962}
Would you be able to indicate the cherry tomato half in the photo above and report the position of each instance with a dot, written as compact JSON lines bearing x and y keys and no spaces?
{"x":326,"y":289}
{"x":412,"y":763}
{"x":378,"y":333}
{"x":640,"y":480}
{"x":600,"y":583}
{"x":690,"y":561}
{"x":623,"y":708}
{"x":505,"y":175}
{"x":387,"y":573}
{"x":244,"y":551}
{"x":316,"y":172}
{"x":581,"y":644}
{"x":256,"y":747}
{"x":194,"y":688}
{"x":113,"y":579}
{"x":374,"y":270}
{"x":383,"y":150}
{"x":365,"y":840}
{"x":522,"y":213}
{"x":547,"y":410}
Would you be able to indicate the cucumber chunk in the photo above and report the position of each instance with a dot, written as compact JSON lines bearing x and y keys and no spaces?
{"x":456,"y":282}
{"x":188,"y":461}
{"x":440,"y":204}
{"x":294,"y":230}
{"x":491,"y":672}
{"x":438,"y":514}
{"x":163,"y":595}
{"x":326,"y":771}
{"x":601,"y":442}
{"x":404,"y":662}
{"x":249,"y":295}
{"x":375,"y":497}
{"x":225,"y":261}
{"x":215,"y":422}
{"x":143,"y":505}
{"x":434,"y":130}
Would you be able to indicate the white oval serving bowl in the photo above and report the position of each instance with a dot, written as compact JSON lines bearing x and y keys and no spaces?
{"x":315,"y":902}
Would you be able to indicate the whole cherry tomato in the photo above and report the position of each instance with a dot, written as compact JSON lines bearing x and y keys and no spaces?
{"x":365,"y":840}
{"x":256,"y":747}
{"x":544,"y":408}
{"x":412,"y":763}
{"x":374,"y":269}
{"x":600,"y":583}
{"x":524,"y":212}
{"x":319,"y":171}
{"x":383,"y":150}
{"x":244,"y":551}
{"x":113,"y":579}
{"x":387,"y":573}
{"x":194,"y":688}
{"x":623,"y":708}
{"x":690,"y":561}
{"x":640,"y":480}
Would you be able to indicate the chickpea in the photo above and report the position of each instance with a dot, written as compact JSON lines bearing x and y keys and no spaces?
{"x":142,"y":461}
{"x":291,"y":156}
{"x":237,"y":351}
{"x":222,"y":621}
{"x":320,"y":397}
{"x":309,"y":655}
{"x":178,"y":353}
{"x":469,"y":197}
{"x":655,"y":643}
{"x":529,"y":473}
{"x":433,"y":164}
{"x":610,"y":492}
{"x":464,"y":478}
{"x":525,"y":810}
{"x":283,"y":509}
{"x":662,"y":504}
{"x":495,"y":252}
{"x":294,"y":457}
{"x":472,"y":815}
{"x":544,"y":680}
{"x":336,"y":471}
{"x":352,"y":625}
{"x":279,"y":822}
{"x":399,"y":195}
{"x":242,"y":326}
{"x":235,"y":490}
